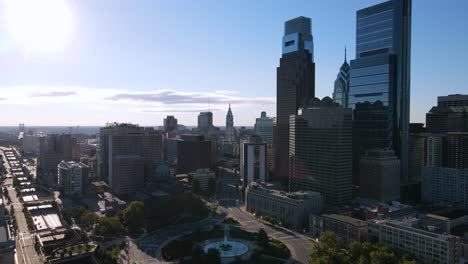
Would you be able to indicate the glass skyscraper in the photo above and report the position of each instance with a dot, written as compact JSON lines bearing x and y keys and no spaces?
{"x":295,"y":84}
{"x":340,"y":93}
{"x":381,"y":70}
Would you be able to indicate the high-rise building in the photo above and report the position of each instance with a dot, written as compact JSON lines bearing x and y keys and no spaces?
{"x":445,"y":186}
{"x":417,"y":152}
{"x":457,"y":150}
{"x":205,"y":124}
{"x":53,"y":149}
{"x":230,"y":135}
{"x":320,"y":150}
{"x":371,"y":127}
{"x":170,"y":123}
{"x":295,"y":84}
{"x":340,"y":93}
{"x":381,"y":70}
{"x":452,"y":100}
{"x":128,"y":155}
{"x":73,"y":177}
{"x":436,"y":149}
{"x":253,"y":160}
{"x":193,"y":152}
{"x":450,"y":115}
{"x":264,"y":128}
{"x":379,"y":170}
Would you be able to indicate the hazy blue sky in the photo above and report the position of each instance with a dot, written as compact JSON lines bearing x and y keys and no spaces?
{"x":197,"y":55}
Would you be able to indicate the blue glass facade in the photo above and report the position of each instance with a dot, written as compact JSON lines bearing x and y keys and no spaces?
{"x":297,"y":36}
{"x":381,"y":70}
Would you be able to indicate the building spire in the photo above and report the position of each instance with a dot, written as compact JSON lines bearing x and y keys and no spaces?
{"x":345,"y":53}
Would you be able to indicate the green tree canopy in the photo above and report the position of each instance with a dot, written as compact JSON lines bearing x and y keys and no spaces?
{"x":134,"y":216}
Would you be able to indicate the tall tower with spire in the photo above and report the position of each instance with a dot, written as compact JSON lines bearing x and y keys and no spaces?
{"x":340,"y":93}
{"x":230,"y":126}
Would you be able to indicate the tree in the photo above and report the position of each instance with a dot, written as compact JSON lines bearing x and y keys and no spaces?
{"x":262,"y":238}
{"x":196,"y":186}
{"x":331,"y":249}
{"x":383,"y":255}
{"x":89,"y":218}
{"x":134,"y":216}
{"x":109,"y":226}
{"x":213,"y":256}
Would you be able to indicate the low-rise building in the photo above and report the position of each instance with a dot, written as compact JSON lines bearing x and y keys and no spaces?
{"x":203,"y":177}
{"x":349,"y":228}
{"x":426,"y":238}
{"x":291,"y":209}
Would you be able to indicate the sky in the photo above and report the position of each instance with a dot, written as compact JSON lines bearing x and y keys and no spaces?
{"x":88,"y":62}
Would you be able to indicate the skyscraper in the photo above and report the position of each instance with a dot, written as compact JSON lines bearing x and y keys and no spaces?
{"x":230,"y":137}
{"x":170,"y":123}
{"x":340,"y":93}
{"x":295,"y":84}
{"x":264,"y":128}
{"x":320,"y":150}
{"x":381,"y":70}
{"x":253,"y":160}
{"x":193,"y":152}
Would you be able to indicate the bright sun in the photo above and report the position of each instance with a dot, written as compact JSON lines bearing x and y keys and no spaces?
{"x":38,"y":25}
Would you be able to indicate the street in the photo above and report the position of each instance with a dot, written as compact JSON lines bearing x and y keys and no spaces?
{"x":26,"y":254}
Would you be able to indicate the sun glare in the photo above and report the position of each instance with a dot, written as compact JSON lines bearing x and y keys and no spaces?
{"x":43,"y":25}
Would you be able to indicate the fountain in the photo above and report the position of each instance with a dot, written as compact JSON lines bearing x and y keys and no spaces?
{"x":227,"y":248}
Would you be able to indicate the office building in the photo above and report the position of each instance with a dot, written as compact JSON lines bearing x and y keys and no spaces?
{"x":320,"y":150}
{"x":348,"y":228}
{"x":53,"y":149}
{"x":452,"y":100}
{"x":381,"y":70}
{"x":445,"y":186}
{"x":203,"y":176}
{"x":371,"y":130}
{"x":121,"y":144}
{"x":379,"y":171}
{"x":264,"y":128}
{"x":291,"y":209}
{"x":340,"y":93}
{"x":171,"y":150}
{"x":426,"y":238}
{"x":193,"y":152}
{"x":295,"y":83}
{"x":253,"y":160}
{"x":170,"y":123}
{"x":417,"y":152}
{"x":442,"y":119}
{"x":30,"y":144}
{"x":73,"y":177}
{"x":205,"y":124}
{"x":436,"y":150}
{"x":457,"y":150}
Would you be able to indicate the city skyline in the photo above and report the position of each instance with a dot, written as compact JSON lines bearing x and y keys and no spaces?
{"x":126,"y":74}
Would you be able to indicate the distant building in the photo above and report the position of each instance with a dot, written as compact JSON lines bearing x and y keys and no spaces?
{"x":340,"y":93}
{"x":295,"y":83}
{"x":172,"y":150}
{"x":445,"y":186}
{"x":30,"y":143}
{"x":73,"y":177}
{"x":348,"y":228}
{"x":452,"y":100}
{"x":425,"y":238}
{"x":264,"y":128}
{"x":253,"y":160}
{"x":203,"y":177}
{"x":170,"y":123}
{"x":320,"y":150}
{"x":436,"y":145}
{"x":379,"y":175}
{"x":193,"y":152}
{"x":417,"y":144}
{"x":137,"y":147}
{"x":291,"y":209}
{"x":230,"y":133}
{"x":53,"y":149}
{"x":205,"y":124}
